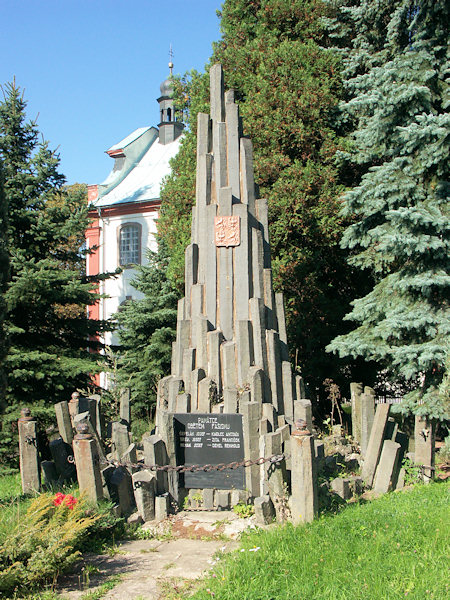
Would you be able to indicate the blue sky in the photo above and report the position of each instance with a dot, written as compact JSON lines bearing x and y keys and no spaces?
{"x":91,"y":69}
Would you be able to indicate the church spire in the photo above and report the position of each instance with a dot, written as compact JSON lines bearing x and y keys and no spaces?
{"x":169,"y":127}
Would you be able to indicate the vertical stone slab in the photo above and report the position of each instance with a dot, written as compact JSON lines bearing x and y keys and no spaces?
{"x":228,"y":361}
{"x":124,"y":410}
{"x":162,"y":400}
{"x":257,"y":263}
{"x":203,"y":134}
{"x":182,"y":344}
{"x":190,"y":269}
{"x":356,"y":389}
{"x":424,"y":438}
{"x":269,"y":299}
{"x":214,"y":340}
{"x":183,"y":403}
{"x":262,"y":212}
{"x":232,"y":122}
{"x":120,"y":440}
{"x":188,"y":367}
{"x":300,"y":390}
{"x":251,"y":412}
{"x":259,"y":342}
{"x":225,"y":292}
{"x":387,"y":471}
{"x":121,"y":490}
{"x":303,"y":478}
{"x":162,"y":505}
{"x":256,"y":381}
{"x":375,"y":444}
{"x":155,"y":453}
{"x":230,"y":400}
{"x":243,"y":279}
{"x":273,"y":358}
{"x":87,"y":464}
{"x":28,"y":453}
{"x":211,"y":266}
{"x":207,"y":395}
{"x":217,"y":100}
{"x":288,"y":389}
{"x":64,"y":422}
{"x":197,"y":376}
{"x":281,"y":321}
{"x":367,"y":405}
{"x":220,"y":156}
{"x":200,"y":327}
{"x":246,"y":172}
{"x":245,"y":355}
{"x":225,"y":204}
{"x":197,"y":300}
{"x":176,"y":387}
{"x":204,"y":169}
{"x":303,"y":412}
{"x":144,"y":484}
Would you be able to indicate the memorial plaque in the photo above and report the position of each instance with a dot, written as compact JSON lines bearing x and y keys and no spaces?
{"x":202,"y":439}
{"x":227,"y":231}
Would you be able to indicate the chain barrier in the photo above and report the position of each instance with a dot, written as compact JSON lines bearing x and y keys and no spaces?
{"x":275,"y":458}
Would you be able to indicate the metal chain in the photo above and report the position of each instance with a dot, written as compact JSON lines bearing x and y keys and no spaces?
{"x":275,"y":458}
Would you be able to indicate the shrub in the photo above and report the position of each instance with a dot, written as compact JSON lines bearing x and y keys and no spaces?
{"x":43,"y":543}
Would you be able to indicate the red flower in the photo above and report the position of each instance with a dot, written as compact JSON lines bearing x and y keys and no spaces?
{"x":66,"y":499}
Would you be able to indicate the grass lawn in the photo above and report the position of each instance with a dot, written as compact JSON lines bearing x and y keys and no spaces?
{"x":394,"y":547}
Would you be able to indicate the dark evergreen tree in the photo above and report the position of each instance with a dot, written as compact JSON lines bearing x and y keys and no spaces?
{"x":4,"y":276}
{"x":288,"y":88}
{"x":397,"y":95}
{"x":47,"y":292}
{"x":146,"y":329}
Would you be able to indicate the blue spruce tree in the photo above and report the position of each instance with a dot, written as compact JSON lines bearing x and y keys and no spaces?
{"x":397,"y":101}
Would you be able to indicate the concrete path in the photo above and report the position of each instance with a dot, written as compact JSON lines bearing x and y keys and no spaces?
{"x":186,"y":547}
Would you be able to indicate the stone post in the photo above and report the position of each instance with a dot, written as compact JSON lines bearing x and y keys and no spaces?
{"x":356,"y":389}
{"x":303,"y":477}
{"x":144,"y":484}
{"x":387,"y":470}
{"x":64,"y":422}
{"x":375,"y":443}
{"x":424,"y":438}
{"x":367,"y":408}
{"x":120,"y":440}
{"x":125,"y":414}
{"x":28,"y":451}
{"x":87,"y":463}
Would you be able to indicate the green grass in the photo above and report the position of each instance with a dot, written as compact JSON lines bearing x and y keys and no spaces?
{"x":391,"y":548}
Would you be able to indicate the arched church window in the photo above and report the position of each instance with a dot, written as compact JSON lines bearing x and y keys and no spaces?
{"x":169,"y":114}
{"x":130,"y":244}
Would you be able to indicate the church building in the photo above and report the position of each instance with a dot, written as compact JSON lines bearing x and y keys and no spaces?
{"x":124,"y":208}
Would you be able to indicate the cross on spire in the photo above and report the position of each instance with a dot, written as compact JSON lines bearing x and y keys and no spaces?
{"x":170,"y":61}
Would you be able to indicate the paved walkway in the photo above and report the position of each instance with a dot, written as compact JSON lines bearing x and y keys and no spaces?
{"x":186,"y":549}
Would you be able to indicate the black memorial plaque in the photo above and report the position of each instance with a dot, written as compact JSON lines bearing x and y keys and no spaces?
{"x":202,"y":439}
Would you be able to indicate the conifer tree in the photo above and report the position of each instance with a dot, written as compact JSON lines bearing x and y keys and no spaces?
{"x":288,"y":88}
{"x":146,"y":329}
{"x":397,"y":97}
{"x":47,"y":292}
{"x":4,"y":276}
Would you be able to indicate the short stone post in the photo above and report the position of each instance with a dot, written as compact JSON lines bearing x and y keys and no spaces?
{"x":120,"y":440}
{"x":276,"y":474}
{"x":356,"y":389}
{"x":87,"y":463}
{"x":28,"y":451}
{"x":375,"y":443}
{"x":387,"y":471}
{"x":64,"y":421}
{"x":367,"y":407}
{"x":144,"y":486}
{"x":125,"y":414}
{"x":155,"y":453}
{"x":424,"y":439}
{"x":303,"y":476}
{"x":303,"y":412}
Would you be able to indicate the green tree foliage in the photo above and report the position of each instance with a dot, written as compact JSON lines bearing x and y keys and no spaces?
{"x":146,"y":329}
{"x":4,"y":276}
{"x":46,"y":293}
{"x":398,"y":98}
{"x":288,"y":89}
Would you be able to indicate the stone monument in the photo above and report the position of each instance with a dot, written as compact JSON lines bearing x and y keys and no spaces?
{"x":231,"y":386}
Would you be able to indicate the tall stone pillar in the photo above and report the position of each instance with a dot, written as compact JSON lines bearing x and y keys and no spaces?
{"x":28,"y":452}
{"x":87,"y":463}
{"x":304,"y":478}
{"x":424,"y":438}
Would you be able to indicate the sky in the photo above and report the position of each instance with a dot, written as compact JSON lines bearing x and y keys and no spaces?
{"x":91,"y":69}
